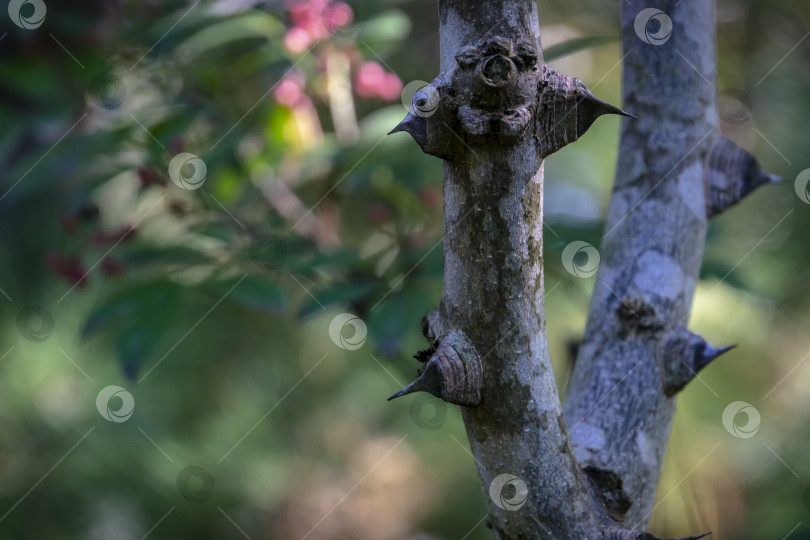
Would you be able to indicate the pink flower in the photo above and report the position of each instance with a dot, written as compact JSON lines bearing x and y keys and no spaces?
{"x":373,"y":81}
{"x":307,"y":15}
{"x":390,"y":88}
{"x":337,"y":15}
{"x":369,"y":77}
{"x":290,"y":91}
{"x":287,"y":93}
{"x":297,"y":40}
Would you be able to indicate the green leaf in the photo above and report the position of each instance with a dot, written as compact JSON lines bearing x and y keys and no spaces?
{"x":392,"y":25}
{"x":254,"y":24}
{"x":168,"y":256}
{"x":216,"y":230}
{"x":342,"y":293}
{"x":143,"y":300}
{"x":138,"y":317}
{"x":252,"y":291}
{"x":575,"y":45}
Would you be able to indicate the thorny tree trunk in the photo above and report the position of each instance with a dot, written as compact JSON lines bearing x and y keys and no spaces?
{"x":493,"y":115}
{"x":674,"y":172}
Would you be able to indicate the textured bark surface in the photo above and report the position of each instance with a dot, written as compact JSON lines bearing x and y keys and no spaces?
{"x":650,"y":257}
{"x":493,"y":289}
{"x":493,"y":114}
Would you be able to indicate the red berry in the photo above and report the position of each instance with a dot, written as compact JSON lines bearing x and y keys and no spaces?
{"x":113,"y":267}
{"x":69,"y":223}
{"x":379,"y":214}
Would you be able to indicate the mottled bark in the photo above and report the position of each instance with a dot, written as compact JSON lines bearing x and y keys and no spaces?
{"x":495,"y":112}
{"x":493,"y":289}
{"x":674,"y":172}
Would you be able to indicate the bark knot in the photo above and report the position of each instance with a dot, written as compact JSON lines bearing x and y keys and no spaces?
{"x":639,"y":315}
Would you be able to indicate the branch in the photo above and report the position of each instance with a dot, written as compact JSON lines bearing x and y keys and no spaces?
{"x":673,"y":173}
{"x":651,"y":255}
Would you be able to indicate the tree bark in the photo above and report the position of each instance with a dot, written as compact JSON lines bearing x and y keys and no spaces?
{"x":495,"y":112}
{"x":493,"y":136}
{"x":493,"y":290}
{"x":674,"y":172}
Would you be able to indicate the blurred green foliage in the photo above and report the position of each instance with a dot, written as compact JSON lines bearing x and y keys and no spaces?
{"x":212,"y":306}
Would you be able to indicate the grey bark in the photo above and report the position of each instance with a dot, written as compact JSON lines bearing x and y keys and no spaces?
{"x":493,"y":290}
{"x":674,"y":172}
{"x":495,"y":112}
{"x":650,"y":256}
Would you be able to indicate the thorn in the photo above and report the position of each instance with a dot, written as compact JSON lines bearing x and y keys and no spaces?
{"x":428,"y":381}
{"x":590,"y":107}
{"x":681,"y":354}
{"x":567,"y":109}
{"x":709,"y":353}
{"x":416,"y":126}
{"x":731,"y":173}
{"x":405,"y":391}
{"x":768,"y":178}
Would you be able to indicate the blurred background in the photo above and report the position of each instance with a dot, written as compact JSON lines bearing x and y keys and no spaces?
{"x":214,"y":263}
